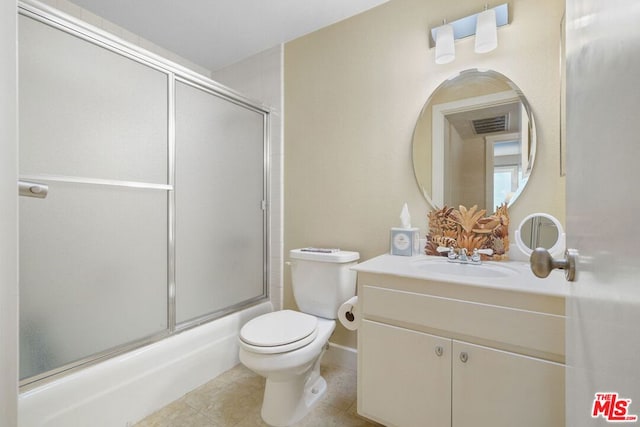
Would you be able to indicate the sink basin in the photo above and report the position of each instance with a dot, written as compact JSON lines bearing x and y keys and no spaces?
{"x":486,"y":269}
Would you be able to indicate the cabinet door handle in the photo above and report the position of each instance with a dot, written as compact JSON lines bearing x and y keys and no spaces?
{"x":464,"y":357}
{"x":439,"y":351}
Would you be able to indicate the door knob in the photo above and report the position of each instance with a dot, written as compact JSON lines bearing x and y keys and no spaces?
{"x":542,"y":263}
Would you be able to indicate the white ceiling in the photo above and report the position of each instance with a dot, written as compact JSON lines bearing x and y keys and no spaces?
{"x":217,"y":33}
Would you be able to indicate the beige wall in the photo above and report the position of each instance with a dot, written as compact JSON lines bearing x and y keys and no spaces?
{"x":471,"y":173}
{"x":353,"y":92}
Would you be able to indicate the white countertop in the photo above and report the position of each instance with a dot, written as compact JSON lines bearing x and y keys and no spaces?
{"x":520,"y":277}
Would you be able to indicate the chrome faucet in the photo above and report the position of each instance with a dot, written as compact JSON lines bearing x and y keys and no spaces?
{"x":475,"y":257}
{"x":462,"y":256}
{"x":450,"y":251}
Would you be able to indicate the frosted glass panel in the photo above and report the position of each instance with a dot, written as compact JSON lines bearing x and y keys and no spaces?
{"x":87,"y":111}
{"x":93,"y":272}
{"x":219,"y":190}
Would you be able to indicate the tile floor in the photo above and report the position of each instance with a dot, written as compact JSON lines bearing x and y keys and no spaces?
{"x":234,"y":399}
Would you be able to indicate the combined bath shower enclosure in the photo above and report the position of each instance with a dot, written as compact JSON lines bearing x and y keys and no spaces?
{"x":155,"y":219}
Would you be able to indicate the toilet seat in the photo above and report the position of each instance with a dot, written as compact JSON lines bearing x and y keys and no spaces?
{"x":279,"y":332}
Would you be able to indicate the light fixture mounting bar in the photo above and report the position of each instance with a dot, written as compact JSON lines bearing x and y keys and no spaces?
{"x":465,"y":27}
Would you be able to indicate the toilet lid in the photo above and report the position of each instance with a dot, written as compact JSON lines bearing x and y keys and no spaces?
{"x":280,"y":328}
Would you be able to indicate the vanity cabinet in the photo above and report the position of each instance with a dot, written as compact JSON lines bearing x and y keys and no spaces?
{"x":497,"y":388}
{"x":404,"y":378}
{"x":445,"y":354}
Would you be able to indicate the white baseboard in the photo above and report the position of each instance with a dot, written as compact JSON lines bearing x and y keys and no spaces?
{"x":340,"y":355}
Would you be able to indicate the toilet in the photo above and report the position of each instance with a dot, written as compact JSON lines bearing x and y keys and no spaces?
{"x":286,"y":346}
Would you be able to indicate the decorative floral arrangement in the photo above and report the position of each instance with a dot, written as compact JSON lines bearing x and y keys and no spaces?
{"x":470,"y":229}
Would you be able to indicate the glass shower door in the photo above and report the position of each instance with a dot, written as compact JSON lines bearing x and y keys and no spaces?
{"x":93,"y":253}
{"x":220,"y":203}
{"x":156,"y":212}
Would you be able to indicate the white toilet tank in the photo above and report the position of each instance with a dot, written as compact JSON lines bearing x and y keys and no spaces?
{"x":322,"y":281}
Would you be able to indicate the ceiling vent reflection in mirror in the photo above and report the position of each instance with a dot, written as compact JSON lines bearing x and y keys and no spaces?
{"x":469,"y":229}
{"x":491,"y":125}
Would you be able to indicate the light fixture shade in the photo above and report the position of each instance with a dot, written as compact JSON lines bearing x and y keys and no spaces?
{"x":445,"y":48}
{"x":486,"y":32}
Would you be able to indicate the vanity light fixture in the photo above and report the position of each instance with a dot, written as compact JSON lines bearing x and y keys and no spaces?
{"x":445,"y":47}
{"x":483,"y":25}
{"x":486,"y":31}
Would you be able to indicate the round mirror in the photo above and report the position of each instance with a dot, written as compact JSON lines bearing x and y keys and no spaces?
{"x":540,"y":230}
{"x":474,"y":142}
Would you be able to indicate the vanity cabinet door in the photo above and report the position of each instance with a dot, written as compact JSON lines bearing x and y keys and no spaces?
{"x":404,"y":376}
{"x":497,"y":388}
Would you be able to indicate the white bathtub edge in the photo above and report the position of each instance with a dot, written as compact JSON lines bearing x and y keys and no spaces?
{"x":127,"y":388}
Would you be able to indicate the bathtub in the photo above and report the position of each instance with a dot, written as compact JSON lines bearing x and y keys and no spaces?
{"x":127,"y":388}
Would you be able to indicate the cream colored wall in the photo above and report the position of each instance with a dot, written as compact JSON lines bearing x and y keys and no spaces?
{"x":471,"y":173}
{"x":353,"y":92}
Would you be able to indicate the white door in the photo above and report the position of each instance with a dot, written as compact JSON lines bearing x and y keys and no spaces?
{"x":603,"y":211}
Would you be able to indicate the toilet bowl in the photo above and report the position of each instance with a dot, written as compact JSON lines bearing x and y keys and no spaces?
{"x":292,"y":369}
{"x":286,"y":346}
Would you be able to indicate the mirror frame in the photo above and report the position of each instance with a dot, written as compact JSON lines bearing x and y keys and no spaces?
{"x":437,"y":157}
{"x":558,"y":247}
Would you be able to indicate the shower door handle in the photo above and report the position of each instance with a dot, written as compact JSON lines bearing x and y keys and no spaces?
{"x":32,"y":189}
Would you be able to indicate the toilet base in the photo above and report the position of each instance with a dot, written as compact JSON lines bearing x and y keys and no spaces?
{"x":287,"y":402}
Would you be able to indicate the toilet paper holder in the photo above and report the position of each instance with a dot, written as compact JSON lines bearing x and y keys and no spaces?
{"x":349,"y":314}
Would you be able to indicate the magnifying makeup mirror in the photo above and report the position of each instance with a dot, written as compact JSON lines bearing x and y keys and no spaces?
{"x":540,"y":230}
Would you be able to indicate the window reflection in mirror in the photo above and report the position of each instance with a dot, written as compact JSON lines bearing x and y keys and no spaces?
{"x":507,"y":170}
